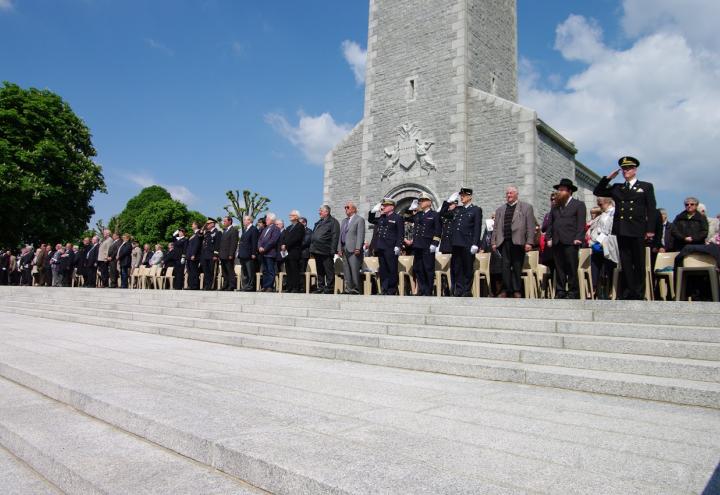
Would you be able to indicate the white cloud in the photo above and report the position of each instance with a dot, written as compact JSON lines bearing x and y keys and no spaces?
{"x":6,"y":4}
{"x":356,"y":57}
{"x":658,"y":99}
{"x":156,"y":45}
{"x":180,"y":193}
{"x":313,"y":136}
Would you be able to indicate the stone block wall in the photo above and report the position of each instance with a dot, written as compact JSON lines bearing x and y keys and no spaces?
{"x":342,"y":171}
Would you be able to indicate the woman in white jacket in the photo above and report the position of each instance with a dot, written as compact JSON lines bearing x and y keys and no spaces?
{"x":604,"y":245}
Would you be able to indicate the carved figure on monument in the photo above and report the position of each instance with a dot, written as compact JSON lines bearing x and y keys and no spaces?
{"x":409,"y":150}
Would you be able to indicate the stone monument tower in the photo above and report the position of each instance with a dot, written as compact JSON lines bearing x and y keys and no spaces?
{"x":441,"y":113}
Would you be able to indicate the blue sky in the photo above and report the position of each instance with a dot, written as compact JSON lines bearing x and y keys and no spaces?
{"x":206,"y":96}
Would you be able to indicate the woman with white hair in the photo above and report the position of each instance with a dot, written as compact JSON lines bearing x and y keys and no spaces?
{"x":713,"y":224}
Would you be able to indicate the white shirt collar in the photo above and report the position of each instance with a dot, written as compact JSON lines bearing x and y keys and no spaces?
{"x":632,"y":182}
{"x":568,"y":201}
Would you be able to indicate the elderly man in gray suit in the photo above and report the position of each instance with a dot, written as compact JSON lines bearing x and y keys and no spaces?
{"x":350,"y":247}
{"x":513,"y":236}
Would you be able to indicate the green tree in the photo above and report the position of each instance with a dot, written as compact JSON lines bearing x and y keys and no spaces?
{"x":158,"y":221}
{"x":47,"y":176}
{"x":251,"y":204}
{"x":126,"y":220}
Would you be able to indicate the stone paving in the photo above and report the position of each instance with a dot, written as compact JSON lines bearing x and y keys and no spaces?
{"x":295,"y":424}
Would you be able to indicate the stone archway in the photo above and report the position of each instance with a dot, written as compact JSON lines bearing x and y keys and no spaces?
{"x":404,"y":195}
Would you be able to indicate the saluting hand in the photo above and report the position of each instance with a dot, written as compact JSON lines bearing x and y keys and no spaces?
{"x":614,"y":173}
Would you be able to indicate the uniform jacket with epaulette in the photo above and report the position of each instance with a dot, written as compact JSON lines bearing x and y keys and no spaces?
{"x":389,"y":231}
{"x":635,"y":213}
{"x":211,"y":244}
{"x":465,"y":226}
{"x":426,"y":229}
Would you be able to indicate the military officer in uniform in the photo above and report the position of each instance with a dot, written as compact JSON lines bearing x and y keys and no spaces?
{"x":192,"y":258}
{"x":389,"y":234}
{"x":633,"y":222}
{"x":209,"y":253}
{"x":464,"y":237}
{"x":181,"y":245}
{"x":425,"y":239}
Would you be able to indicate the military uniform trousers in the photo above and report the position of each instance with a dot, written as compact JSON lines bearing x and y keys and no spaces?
{"x":389,"y":278}
{"x":209,"y":269}
{"x":632,"y":263}
{"x":424,"y":268}
{"x":461,"y":265}
{"x":179,"y":276}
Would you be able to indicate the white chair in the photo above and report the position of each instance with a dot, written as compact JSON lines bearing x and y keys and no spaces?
{"x":584,"y":274}
{"x":405,"y":272}
{"x":697,"y":263}
{"x":481,"y":274}
{"x":371,"y":267}
{"x":310,"y":274}
{"x":338,"y":265}
{"x":665,"y":279}
{"x":442,"y":269}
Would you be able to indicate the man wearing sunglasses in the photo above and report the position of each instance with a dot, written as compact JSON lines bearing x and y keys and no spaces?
{"x":690,"y":226}
{"x":633,"y":222}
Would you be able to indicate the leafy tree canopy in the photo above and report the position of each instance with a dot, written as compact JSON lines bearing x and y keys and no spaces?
{"x":47,"y":176}
{"x":152,"y":216}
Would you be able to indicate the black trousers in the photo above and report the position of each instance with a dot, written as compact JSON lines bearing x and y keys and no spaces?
{"x":25,"y":277}
{"x":113,"y":271}
{"x":248,"y":273}
{"x":90,"y":276}
{"x":512,"y":257}
{"x":228,"y":272}
{"x":104,"y":274}
{"x":326,"y":272}
{"x":632,"y":263}
{"x":461,"y":265}
{"x":179,"y":276}
{"x":193,"y":269}
{"x":389,"y":278}
{"x":208,"y":268}
{"x":566,"y":267}
{"x":424,"y":268}
{"x":292,"y":267}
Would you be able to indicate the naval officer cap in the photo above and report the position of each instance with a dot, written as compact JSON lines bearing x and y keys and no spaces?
{"x":387,"y":201}
{"x":424,"y":196}
{"x":628,"y":162}
{"x":210,"y":220}
{"x":466,"y":190}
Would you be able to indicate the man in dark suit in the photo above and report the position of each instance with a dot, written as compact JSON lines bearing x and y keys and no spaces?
{"x":464,"y":236}
{"x":267,"y":249}
{"x":112,"y":260}
{"x":181,"y":244}
{"x":389,"y":235}
{"x":247,"y":254}
{"x":90,"y":261}
{"x":192,"y":257}
{"x":228,"y":249}
{"x":323,"y":247}
{"x":425,"y":239}
{"x":209,"y":253}
{"x":293,"y":239}
{"x":124,"y":257}
{"x":565,"y":235}
{"x":633,"y":223}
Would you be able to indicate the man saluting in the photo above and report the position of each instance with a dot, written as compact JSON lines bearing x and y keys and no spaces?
{"x":633,"y":222}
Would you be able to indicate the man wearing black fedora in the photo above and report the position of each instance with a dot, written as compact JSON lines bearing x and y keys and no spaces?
{"x":565,"y":235}
{"x":633,"y":223}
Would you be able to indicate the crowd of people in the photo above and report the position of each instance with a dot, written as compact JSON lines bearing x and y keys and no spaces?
{"x":621,"y":227}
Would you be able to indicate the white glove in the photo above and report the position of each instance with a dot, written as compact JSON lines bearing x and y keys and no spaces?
{"x":474,"y":249}
{"x":453,"y":197}
{"x":433,"y":248}
{"x":176,"y":233}
{"x":376,"y":208}
{"x":397,"y":250}
{"x":413,"y":205}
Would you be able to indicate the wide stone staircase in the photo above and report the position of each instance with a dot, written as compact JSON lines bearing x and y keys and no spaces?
{"x":661,"y":351}
{"x":125,"y":391}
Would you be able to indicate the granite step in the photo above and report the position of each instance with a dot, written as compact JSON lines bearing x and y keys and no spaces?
{"x":680,"y":391}
{"x":284,"y":448}
{"x":675,"y":341}
{"x":690,"y":369}
{"x":18,"y":478}
{"x":656,"y":312}
{"x":80,"y":454}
